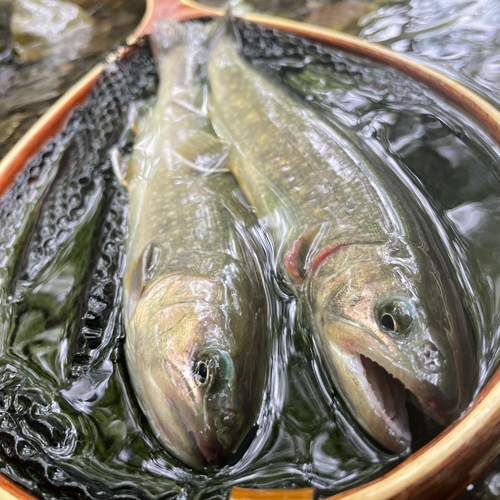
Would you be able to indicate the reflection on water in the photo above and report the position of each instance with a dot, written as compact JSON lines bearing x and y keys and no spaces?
{"x":69,"y":423}
{"x":27,"y":90}
{"x":460,"y":37}
{"x":50,"y":29}
{"x":68,"y":414}
{"x":336,"y":14}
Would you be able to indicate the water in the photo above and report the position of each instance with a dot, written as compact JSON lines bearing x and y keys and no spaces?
{"x":458,"y":37}
{"x":77,"y":428}
{"x":69,"y":422}
{"x":28,"y":89}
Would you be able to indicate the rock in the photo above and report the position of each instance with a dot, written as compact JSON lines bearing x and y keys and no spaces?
{"x":49,"y":28}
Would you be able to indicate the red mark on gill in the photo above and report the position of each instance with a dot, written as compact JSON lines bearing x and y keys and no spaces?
{"x":323,"y":254}
{"x":293,"y":261}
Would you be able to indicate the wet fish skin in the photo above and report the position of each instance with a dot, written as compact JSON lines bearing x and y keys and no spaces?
{"x":195,"y":307}
{"x":379,"y":293}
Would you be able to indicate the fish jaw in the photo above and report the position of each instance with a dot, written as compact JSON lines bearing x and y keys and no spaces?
{"x":217,"y":441}
{"x":379,"y":406}
{"x":377,"y":388}
{"x":194,"y":441}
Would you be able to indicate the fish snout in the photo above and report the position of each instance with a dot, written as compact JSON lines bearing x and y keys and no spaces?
{"x":215,"y":443}
{"x":429,"y":357}
{"x":214,"y":455}
{"x":230,"y":419}
{"x":228,"y":424}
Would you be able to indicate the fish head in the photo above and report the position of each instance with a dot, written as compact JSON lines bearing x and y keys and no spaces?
{"x":189,"y":372}
{"x":396,"y":334}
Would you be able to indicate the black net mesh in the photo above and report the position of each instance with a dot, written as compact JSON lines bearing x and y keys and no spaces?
{"x":98,"y":330}
{"x":40,"y":214}
{"x":99,"y":124}
{"x":279,"y":52}
{"x":84,"y":173}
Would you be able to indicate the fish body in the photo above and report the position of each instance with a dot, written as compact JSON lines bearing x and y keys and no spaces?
{"x":378,"y":292}
{"x":194,"y":302}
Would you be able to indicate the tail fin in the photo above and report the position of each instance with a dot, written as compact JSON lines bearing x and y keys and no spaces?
{"x":179,"y":49}
{"x":182,"y":51}
{"x":168,"y":34}
{"x":225,"y":26}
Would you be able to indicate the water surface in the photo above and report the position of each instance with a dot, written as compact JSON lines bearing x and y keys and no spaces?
{"x":69,"y":422}
{"x":28,"y":89}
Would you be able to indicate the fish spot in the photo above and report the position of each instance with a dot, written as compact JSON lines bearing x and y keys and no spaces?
{"x":349,"y":206}
{"x":429,"y":357}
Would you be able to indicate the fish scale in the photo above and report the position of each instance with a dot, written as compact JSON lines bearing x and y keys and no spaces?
{"x":282,"y":141}
{"x":186,"y":203}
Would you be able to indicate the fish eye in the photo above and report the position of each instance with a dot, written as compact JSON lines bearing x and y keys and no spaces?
{"x":395,"y":316}
{"x":201,"y":372}
{"x":388,"y":322}
{"x":211,"y":369}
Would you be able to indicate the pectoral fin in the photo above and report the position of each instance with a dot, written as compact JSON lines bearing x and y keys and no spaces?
{"x":144,"y":270}
{"x":304,"y":255}
{"x":115,"y":158}
{"x":204,"y":152}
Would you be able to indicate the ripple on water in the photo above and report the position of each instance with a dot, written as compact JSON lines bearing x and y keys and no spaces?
{"x":68,"y":419}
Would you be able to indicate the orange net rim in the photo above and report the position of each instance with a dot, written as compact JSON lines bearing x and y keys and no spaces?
{"x":462,"y":451}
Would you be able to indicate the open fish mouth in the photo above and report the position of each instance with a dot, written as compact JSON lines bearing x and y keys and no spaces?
{"x":394,"y":403}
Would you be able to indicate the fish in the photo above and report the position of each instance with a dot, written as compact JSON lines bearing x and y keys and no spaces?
{"x":381,"y":298}
{"x":194,"y":302}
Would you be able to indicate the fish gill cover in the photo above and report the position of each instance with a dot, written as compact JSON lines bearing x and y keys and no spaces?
{"x":69,"y":425}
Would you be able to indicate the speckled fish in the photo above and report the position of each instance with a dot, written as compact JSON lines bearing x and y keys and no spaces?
{"x":194,"y":302}
{"x":379,"y":294}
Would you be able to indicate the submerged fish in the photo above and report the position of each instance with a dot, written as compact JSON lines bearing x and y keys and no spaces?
{"x":378,"y":290}
{"x":195,"y":306}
